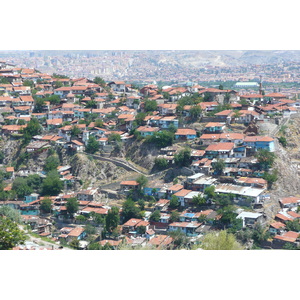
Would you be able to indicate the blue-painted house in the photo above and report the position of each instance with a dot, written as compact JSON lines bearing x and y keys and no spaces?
{"x":260,"y":142}
{"x":185,"y":134}
{"x":214,"y":127}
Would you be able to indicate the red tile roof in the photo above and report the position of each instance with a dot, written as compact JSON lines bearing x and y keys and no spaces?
{"x":220,"y":147}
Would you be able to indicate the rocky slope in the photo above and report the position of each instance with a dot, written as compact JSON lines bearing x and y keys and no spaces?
{"x":94,"y":171}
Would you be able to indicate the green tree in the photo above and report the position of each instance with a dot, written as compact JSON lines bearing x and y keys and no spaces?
{"x":139,"y":118}
{"x":219,"y":166}
{"x":114,"y":137}
{"x":94,"y":246}
{"x":228,"y":215}
{"x":282,"y":140}
{"x":141,"y":230}
{"x":130,"y":210}
{"x":265,"y":159}
{"x":91,"y":104}
{"x":92,"y":145}
{"x":33,"y":128}
{"x":10,"y":234}
{"x":142,"y":181}
{"x":155,"y":216}
{"x":99,"y":123}
{"x":29,"y":83}
{"x":112,"y":219}
{"x":72,"y":206}
{"x":221,"y":240}
{"x":2,"y":156}
{"x":271,"y":178}
{"x":199,"y":200}
{"x":180,"y":240}
{"x":141,"y":203}
{"x":183,"y":158}
{"x":100,"y":81}
{"x":174,"y":216}
{"x":260,"y":234}
{"x":293,"y":225}
{"x":53,"y":99}
{"x":75,"y":243}
{"x":10,"y":213}
{"x":75,"y":131}
{"x":161,"y":139}
{"x":52,"y":162}
{"x":150,"y":105}
{"x":210,"y":192}
{"x":21,"y":187}
{"x":39,"y":105}
{"x":174,"y":203}
{"x":57,"y":84}
{"x":89,"y":229}
{"x":195,"y":111}
{"x":52,"y":185}
{"x":172,"y":128}
{"x":161,"y":163}
{"x":34,"y":181}
{"x":46,"y":205}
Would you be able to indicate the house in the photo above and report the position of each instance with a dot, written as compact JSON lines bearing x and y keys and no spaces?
{"x":250,"y":218}
{"x":131,"y":225}
{"x":53,"y":123}
{"x":76,"y":146}
{"x":214,"y":127}
{"x":289,"y":202}
{"x":208,"y":106}
{"x":118,"y":86}
{"x":203,"y":165}
{"x":166,"y":122}
{"x":126,"y":186}
{"x":187,"y":216}
{"x":253,"y":98}
{"x":167,"y":109}
{"x":277,"y":228}
{"x":12,"y":129}
{"x":37,"y":146}
{"x":260,"y":142}
{"x":252,"y":181}
{"x":70,"y":233}
{"x":173,"y":189}
{"x":197,"y":154}
{"x":219,"y":150}
{"x":10,"y":171}
{"x":189,"y":228}
{"x":247,"y":116}
{"x":225,"y":116}
{"x":209,"y":138}
{"x":147,"y":130}
{"x":188,"y":199}
{"x":161,"y":241}
{"x":87,"y":195}
{"x":281,"y":217}
{"x":243,"y":194}
{"x":236,"y":138}
{"x":185,"y":134}
{"x":162,"y":205}
{"x":181,"y":195}
{"x":290,"y":237}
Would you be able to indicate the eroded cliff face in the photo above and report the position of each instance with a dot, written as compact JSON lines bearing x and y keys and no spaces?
{"x":93,"y":170}
{"x":10,"y":148}
{"x":141,"y":153}
{"x":287,"y":164}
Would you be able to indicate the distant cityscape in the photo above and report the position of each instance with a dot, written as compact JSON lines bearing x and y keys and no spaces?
{"x":279,"y":70}
{"x":177,"y":66}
